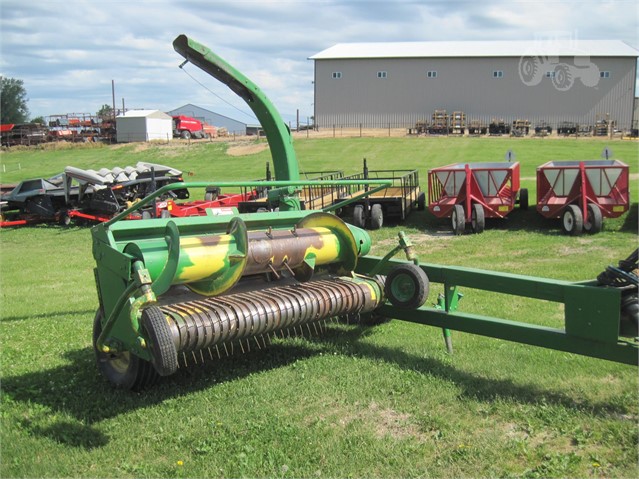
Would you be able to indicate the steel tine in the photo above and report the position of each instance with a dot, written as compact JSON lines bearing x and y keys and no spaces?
{"x":218,"y":352}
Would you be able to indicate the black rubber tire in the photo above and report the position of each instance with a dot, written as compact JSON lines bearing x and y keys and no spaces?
{"x":123,"y":370}
{"x":572,"y":221}
{"x":359,"y":216}
{"x":477,"y":219}
{"x":165,"y":214}
{"x":146,"y":215}
{"x":629,"y":325}
{"x":458,"y":220}
{"x":595,"y":219}
{"x":523,"y":199}
{"x":421,"y":202}
{"x":407,"y":286}
{"x":377,"y":216}
{"x":159,"y":341}
{"x":185,"y":135}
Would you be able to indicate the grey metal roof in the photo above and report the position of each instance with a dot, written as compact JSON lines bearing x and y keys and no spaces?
{"x":592,"y":48}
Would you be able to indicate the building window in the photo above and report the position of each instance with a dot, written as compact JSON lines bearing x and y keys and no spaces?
{"x":381,"y":74}
{"x":550,"y":74}
{"x":604,"y":74}
{"x":498,"y":74}
{"x":431,"y":74}
{"x":337,"y":74}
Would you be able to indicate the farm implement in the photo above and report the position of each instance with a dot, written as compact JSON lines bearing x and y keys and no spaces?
{"x":176,"y":291}
{"x":582,"y":193}
{"x":471,"y":192}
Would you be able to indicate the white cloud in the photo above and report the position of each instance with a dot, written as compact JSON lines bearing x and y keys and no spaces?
{"x":67,"y":53}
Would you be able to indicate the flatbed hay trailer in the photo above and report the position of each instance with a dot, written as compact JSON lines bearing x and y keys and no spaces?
{"x":468,"y":193}
{"x":394,"y":202}
{"x":582,"y":193}
{"x":174,"y":292}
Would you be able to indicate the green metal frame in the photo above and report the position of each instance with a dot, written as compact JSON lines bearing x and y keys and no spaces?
{"x":591,"y":321}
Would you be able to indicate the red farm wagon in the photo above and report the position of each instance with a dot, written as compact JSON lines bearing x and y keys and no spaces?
{"x":582,"y":193}
{"x":472,"y":192}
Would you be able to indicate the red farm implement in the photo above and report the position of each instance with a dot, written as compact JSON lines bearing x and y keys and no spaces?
{"x":472,"y":192}
{"x":582,"y":193}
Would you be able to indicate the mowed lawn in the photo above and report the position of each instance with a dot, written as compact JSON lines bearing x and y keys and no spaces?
{"x":384,"y":401}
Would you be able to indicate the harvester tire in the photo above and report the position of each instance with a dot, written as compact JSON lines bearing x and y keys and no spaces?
{"x":359,"y":216}
{"x":477,"y":219}
{"x":523,"y":199}
{"x":186,"y":135}
{"x":377,"y":216}
{"x":458,"y":220}
{"x":572,"y":221}
{"x":407,"y":286}
{"x":123,"y":369}
{"x":160,"y":344}
{"x":595,"y":220}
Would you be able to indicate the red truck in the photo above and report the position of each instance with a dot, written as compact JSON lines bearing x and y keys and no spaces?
{"x":186,"y":127}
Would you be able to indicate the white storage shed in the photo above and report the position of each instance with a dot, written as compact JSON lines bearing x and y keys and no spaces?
{"x":143,"y":125}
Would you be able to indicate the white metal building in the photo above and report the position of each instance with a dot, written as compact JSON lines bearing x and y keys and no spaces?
{"x":397,"y":84}
{"x":143,"y":125}
{"x":212,"y":118}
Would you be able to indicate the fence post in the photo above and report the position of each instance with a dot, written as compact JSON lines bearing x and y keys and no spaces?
{"x":333,"y":130}
{"x":360,"y":130}
{"x":389,"y":129}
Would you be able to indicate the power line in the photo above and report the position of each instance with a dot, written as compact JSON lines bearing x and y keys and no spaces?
{"x":215,"y":94}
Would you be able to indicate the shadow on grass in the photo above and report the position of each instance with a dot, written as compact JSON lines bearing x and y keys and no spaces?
{"x":62,"y":314}
{"x":631,"y":222}
{"x":77,"y":389}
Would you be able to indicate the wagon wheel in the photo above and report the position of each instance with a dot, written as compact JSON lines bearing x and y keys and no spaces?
{"x":458,"y":220}
{"x":477,"y":220}
{"x":161,"y":345}
{"x":594,"y":223}
{"x":421,"y":202}
{"x":123,"y":369}
{"x":572,"y":221}
{"x":523,"y":199}
{"x":377,"y":216}
{"x":359,"y":218}
{"x":407,"y":286}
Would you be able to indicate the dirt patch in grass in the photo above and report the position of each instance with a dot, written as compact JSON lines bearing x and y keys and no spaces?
{"x":243,"y":150}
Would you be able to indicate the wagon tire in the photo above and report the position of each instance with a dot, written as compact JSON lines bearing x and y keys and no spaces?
{"x":160,"y":342}
{"x":595,"y":220}
{"x":458,"y":220}
{"x":421,"y":202}
{"x":123,"y":370}
{"x":377,"y":216}
{"x":572,"y":220}
{"x":523,"y":199}
{"x":477,"y":218}
{"x":359,"y":218}
{"x":407,"y":286}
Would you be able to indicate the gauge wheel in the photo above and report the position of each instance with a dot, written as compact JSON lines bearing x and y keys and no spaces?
{"x":407,"y":286}
{"x":123,"y":369}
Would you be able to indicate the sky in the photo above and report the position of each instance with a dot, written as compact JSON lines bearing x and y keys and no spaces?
{"x":68,"y":52}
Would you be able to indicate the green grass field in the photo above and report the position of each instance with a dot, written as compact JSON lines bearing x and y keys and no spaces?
{"x":384,"y":401}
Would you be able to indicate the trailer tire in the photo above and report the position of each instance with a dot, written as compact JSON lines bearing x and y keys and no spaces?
{"x":595,"y":220}
{"x":377,"y":216}
{"x":123,"y":370}
{"x":477,"y":218}
{"x":359,"y":218}
{"x":523,"y":199}
{"x":572,"y":220}
{"x":458,"y":220}
{"x":407,"y":286}
{"x":421,"y":202}
{"x":185,"y":135}
{"x":165,"y":214}
{"x":146,"y":215}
